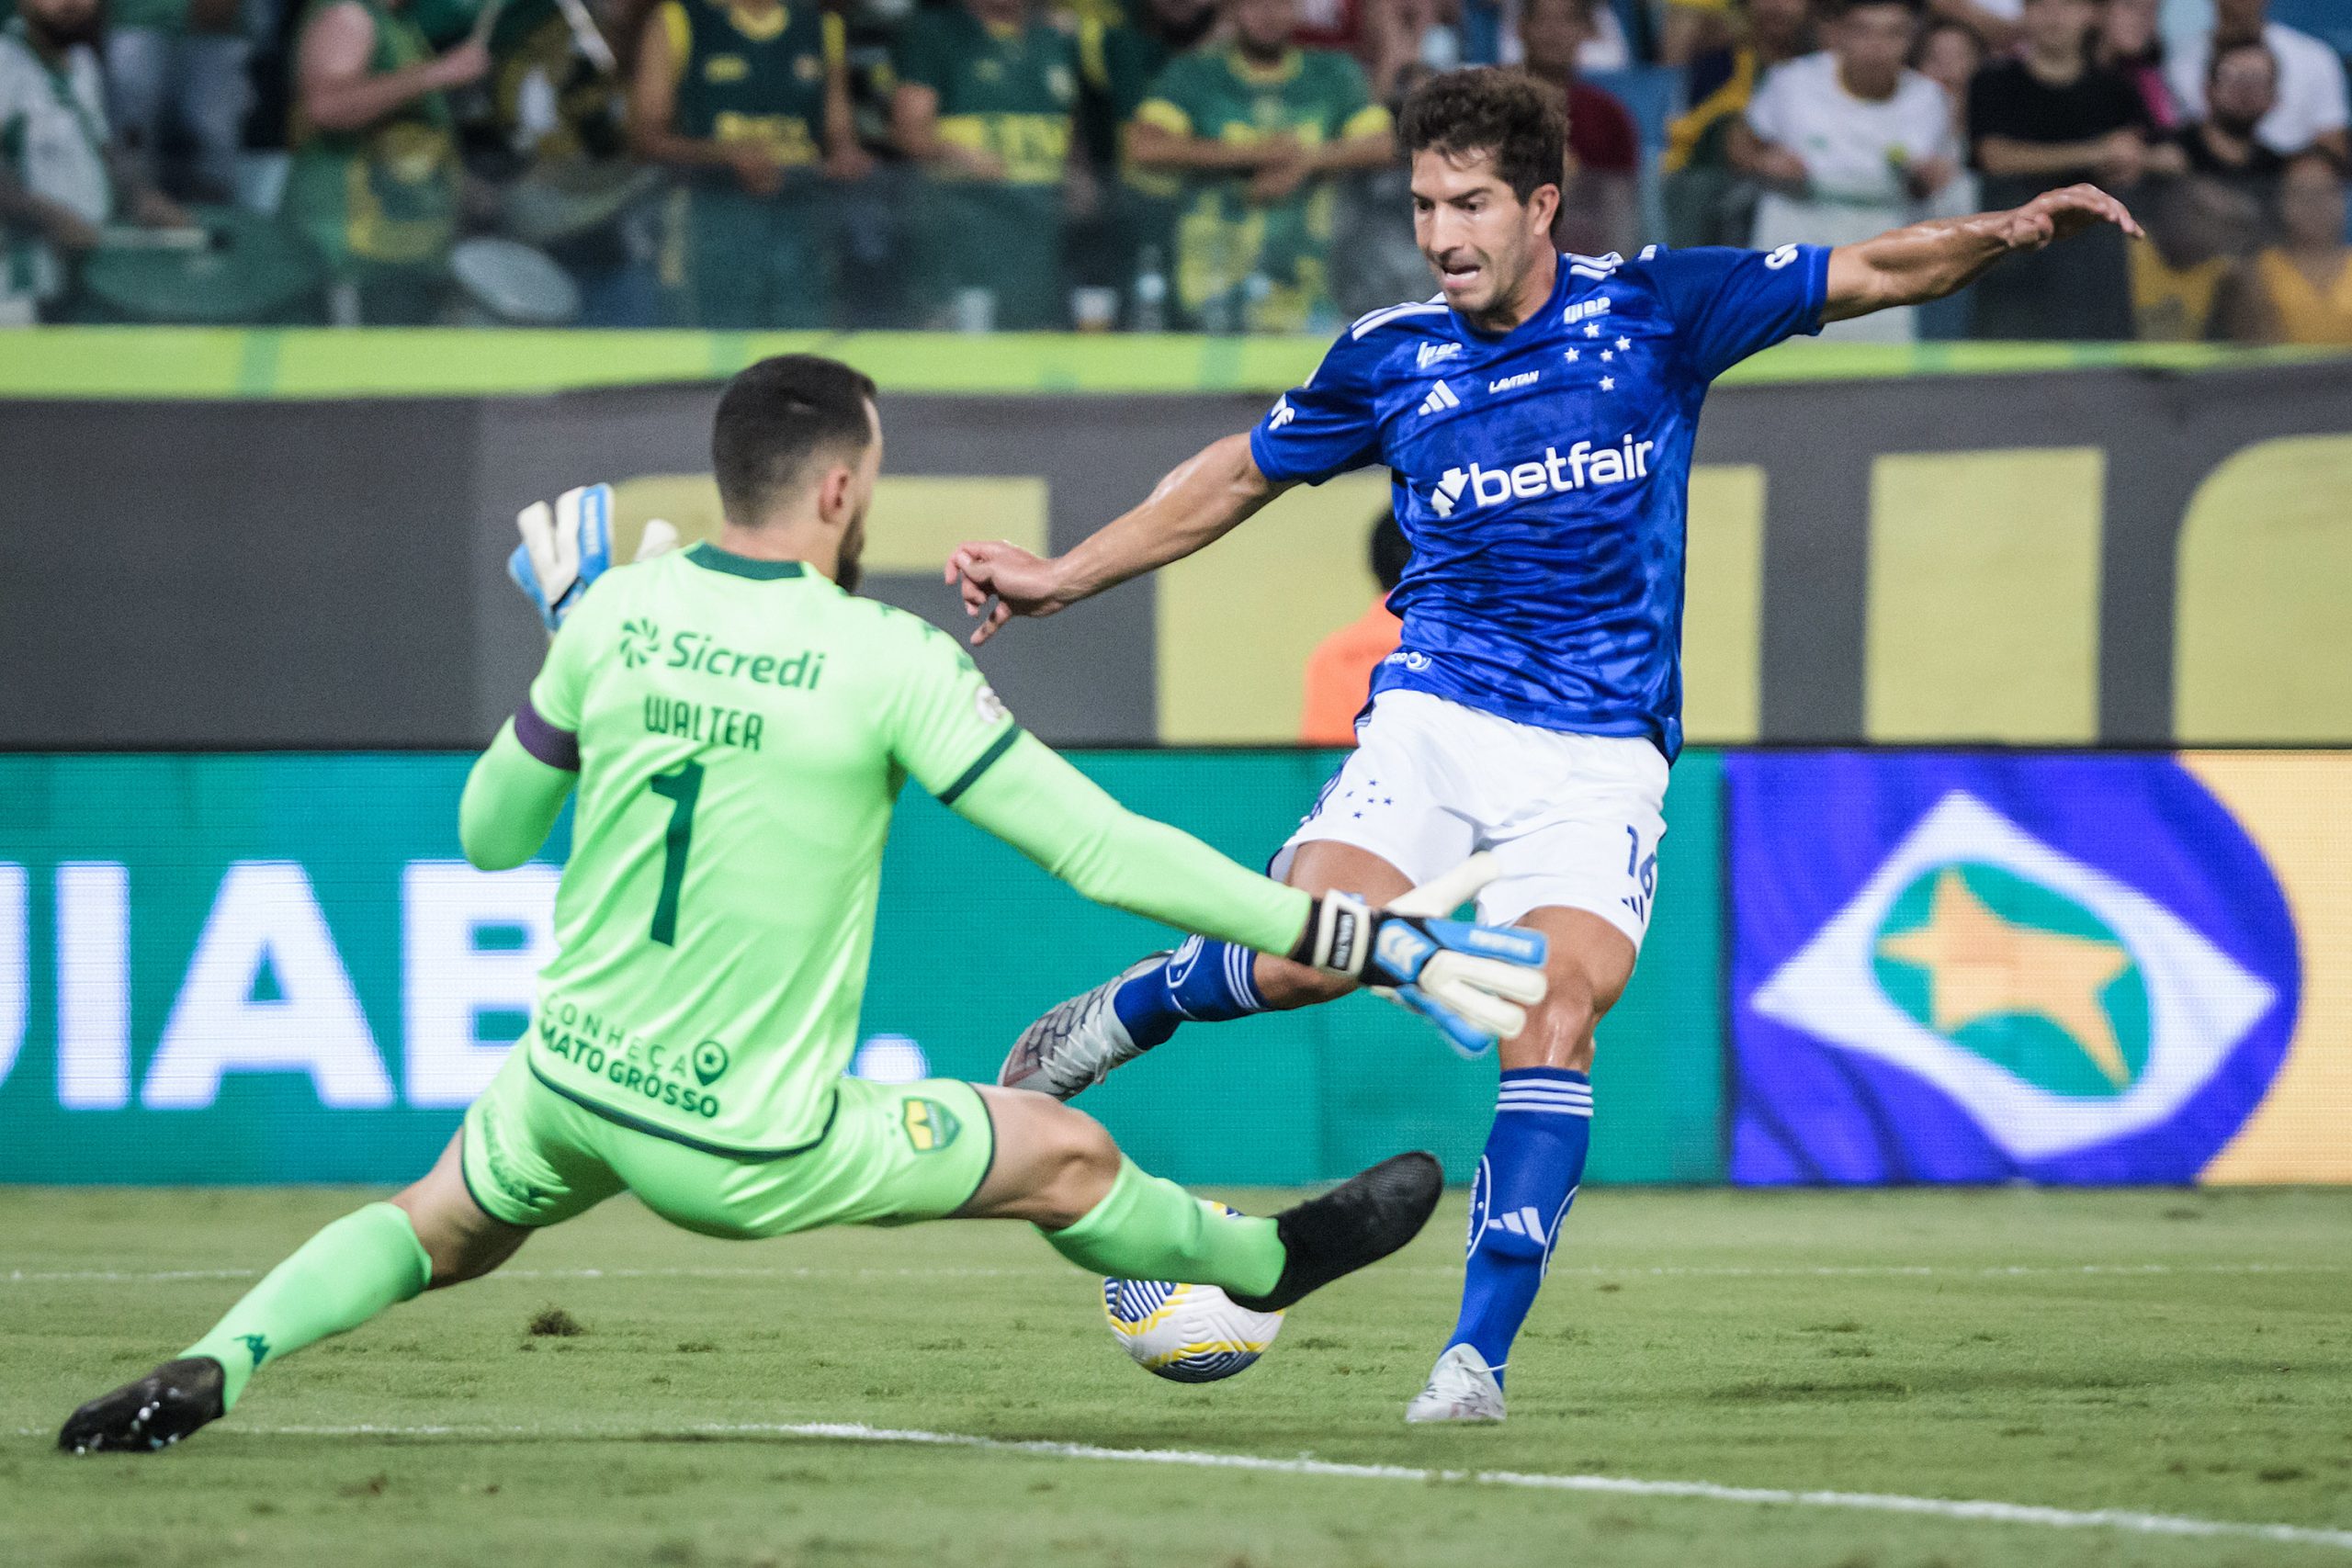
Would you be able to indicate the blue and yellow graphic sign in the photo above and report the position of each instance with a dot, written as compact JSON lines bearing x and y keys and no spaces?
{"x":1986,"y":968}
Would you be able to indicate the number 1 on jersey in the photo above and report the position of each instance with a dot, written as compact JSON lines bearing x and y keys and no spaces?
{"x":680,"y":789}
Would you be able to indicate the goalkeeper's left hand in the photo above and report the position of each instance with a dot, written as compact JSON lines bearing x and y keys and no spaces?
{"x":569,"y":546}
{"x":1484,"y":976}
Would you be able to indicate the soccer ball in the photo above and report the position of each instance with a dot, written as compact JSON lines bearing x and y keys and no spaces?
{"x":1186,"y":1333}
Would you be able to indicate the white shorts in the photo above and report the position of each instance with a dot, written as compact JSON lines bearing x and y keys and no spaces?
{"x":1574,"y":818}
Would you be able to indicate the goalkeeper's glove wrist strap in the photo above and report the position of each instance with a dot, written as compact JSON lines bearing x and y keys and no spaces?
{"x":1338,"y":938}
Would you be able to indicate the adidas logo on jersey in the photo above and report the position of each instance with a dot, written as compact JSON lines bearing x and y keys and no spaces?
{"x":1440,"y":399}
{"x":1583,"y":467}
{"x":1431,"y":353}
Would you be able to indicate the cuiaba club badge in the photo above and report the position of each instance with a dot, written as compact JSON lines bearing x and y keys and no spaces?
{"x":931,"y":1126}
{"x":1976,"y":968}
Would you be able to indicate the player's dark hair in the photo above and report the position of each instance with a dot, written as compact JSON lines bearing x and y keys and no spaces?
{"x":1391,"y":553}
{"x":1506,"y":114}
{"x":775,"y":418}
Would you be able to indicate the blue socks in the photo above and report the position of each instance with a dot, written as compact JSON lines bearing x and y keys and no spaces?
{"x":1202,"y":982}
{"x":1527,"y":1178}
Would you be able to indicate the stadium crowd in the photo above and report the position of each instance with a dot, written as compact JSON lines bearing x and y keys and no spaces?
{"x":1220,"y":166}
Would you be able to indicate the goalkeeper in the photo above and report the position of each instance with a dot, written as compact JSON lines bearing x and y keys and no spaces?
{"x":737,"y":725}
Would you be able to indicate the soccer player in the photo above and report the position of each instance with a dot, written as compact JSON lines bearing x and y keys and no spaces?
{"x":1537,"y":416}
{"x":737,"y":725}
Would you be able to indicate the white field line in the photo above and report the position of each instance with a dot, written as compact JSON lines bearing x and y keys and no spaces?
{"x":1981,"y":1511}
{"x":1865,"y":1270}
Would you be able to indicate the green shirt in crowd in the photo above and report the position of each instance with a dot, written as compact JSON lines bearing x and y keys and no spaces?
{"x":743,"y":729}
{"x":384,"y":197}
{"x":754,"y":76}
{"x":1007,"y":91}
{"x":1223,"y":239}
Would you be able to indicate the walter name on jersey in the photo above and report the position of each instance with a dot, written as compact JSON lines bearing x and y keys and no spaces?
{"x":1542,"y":474}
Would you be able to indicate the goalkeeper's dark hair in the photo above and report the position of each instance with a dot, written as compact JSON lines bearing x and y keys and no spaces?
{"x":1506,"y":114}
{"x":779,"y":417}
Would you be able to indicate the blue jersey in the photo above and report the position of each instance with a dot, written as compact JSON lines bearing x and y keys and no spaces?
{"x":1542,"y":475}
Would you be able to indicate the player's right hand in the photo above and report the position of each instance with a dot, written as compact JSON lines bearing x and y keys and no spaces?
{"x":569,"y":546}
{"x":998,"y":569}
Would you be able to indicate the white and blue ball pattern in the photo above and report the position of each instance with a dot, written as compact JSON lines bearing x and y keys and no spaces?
{"x":1186,"y":1333}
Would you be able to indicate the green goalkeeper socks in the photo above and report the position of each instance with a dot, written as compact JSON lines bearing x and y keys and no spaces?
{"x":340,"y":1278}
{"x":1148,"y":1228}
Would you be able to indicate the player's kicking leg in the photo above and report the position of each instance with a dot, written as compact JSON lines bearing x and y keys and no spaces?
{"x":1075,"y":1044}
{"x":1059,"y":1170}
{"x":430,"y":1236}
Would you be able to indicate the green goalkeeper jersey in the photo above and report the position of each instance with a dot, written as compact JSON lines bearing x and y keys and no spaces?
{"x":742,"y":731}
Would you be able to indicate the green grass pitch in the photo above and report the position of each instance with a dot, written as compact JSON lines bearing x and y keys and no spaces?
{"x":2175,"y":1353}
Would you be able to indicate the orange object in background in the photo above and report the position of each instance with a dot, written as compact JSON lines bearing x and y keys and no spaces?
{"x":1339,"y":675}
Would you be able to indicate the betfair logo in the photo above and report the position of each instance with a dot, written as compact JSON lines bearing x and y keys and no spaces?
{"x":638,"y":640}
{"x":931,"y":1126}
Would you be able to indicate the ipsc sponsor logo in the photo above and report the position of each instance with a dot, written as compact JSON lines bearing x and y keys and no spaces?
{"x":1584,"y":309}
{"x":1581,"y":467}
{"x":1431,"y":353}
{"x":2059,"y":1006}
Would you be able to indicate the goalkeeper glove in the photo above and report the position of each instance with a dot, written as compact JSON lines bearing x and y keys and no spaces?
{"x":1480,"y":977}
{"x":1443,"y":896}
{"x":569,"y":546}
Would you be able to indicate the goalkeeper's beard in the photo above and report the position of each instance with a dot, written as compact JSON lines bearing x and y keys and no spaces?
{"x":849,"y":570}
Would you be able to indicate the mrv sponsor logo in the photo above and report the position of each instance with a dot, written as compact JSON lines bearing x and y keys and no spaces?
{"x":2071,"y":994}
{"x":1581,"y":467}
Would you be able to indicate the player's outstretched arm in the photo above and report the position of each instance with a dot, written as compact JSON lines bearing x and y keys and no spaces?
{"x":511,"y":802}
{"x":1928,"y":261}
{"x":1197,"y":503}
{"x":1040,"y":805}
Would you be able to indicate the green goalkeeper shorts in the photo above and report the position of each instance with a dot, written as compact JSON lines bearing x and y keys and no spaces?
{"x":891,"y":1154}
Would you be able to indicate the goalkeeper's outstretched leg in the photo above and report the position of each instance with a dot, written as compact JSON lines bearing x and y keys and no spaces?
{"x":431,"y":1234}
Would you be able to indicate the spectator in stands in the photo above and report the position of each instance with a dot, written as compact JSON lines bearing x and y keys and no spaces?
{"x":1491,"y":34}
{"x":374,"y":178}
{"x":1259,"y":129}
{"x":2130,"y":44}
{"x":1950,"y":54}
{"x":2311,"y":110}
{"x":1406,"y":40}
{"x":1848,"y":143}
{"x":2241,"y":89}
{"x":2200,"y":231}
{"x":985,"y":104}
{"x":184,"y":62}
{"x":748,"y":106}
{"x":1118,"y":60}
{"x":1999,"y":23}
{"x":1338,"y":673}
{"x":61,"y":184}
{"x":2053,"y":117}
{"x":1706,"y":201}
{"x":2301,"y":289}
{"x":1599,"y":210}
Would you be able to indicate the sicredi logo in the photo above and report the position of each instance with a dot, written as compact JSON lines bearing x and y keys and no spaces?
{"x":1582,"y":467}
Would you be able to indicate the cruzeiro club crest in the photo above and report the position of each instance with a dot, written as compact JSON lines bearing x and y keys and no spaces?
{"x":639,"y":637}
{"x":2103,"y":997}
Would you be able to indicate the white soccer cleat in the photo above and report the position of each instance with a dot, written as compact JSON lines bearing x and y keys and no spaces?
{"x":1462,"y":1388}
{"x":1075,"y":1046}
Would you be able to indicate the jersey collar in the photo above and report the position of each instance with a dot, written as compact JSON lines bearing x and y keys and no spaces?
{"x":717,"y":559}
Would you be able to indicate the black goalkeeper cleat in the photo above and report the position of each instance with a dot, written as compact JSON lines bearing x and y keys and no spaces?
{"x":153,"y":1413}
{"x":1360,"y":1221}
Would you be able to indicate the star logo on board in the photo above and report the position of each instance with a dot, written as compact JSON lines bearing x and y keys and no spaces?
{"x":1983,"y":971}
{"x":2060,"y":1005}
